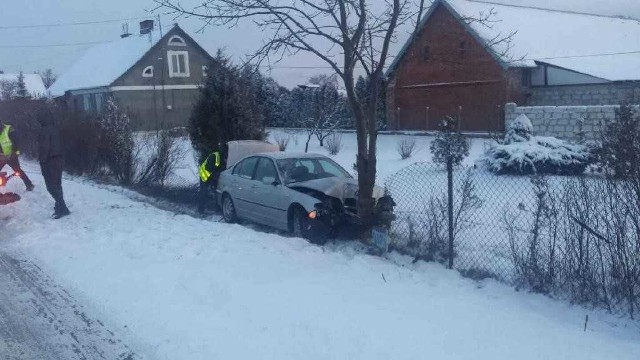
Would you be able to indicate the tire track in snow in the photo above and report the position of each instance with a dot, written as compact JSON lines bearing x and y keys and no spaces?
{"x":40,"y":320}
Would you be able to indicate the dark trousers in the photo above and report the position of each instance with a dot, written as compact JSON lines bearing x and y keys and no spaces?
{"x":52,"y":173}
{"x":14,"y":164}
{"x":203,"y":192}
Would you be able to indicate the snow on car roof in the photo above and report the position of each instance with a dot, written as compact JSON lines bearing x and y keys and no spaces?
{"x":601,"y":46}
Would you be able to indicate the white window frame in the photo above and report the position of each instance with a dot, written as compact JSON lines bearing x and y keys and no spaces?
{"x":144,"y":72}
{"x":180,"y":42}
{"x":205,"y":70}
{"x":176,"y":72}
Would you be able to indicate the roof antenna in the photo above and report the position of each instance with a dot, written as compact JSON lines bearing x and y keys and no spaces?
{"x":125,"y":30}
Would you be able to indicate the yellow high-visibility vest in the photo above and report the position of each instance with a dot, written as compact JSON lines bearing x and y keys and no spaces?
{"x":202,"y":170}
{"x":5,"y":141}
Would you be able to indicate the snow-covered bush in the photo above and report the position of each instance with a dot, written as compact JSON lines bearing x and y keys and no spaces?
{"x":449,"y":147}
{"x":522,"y":153}
{"x":405,"y":147}
{"x":334,"y":143}
{"x":519,"y":130}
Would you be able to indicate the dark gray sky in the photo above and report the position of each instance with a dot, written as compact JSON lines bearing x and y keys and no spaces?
{"x":22,"y":48}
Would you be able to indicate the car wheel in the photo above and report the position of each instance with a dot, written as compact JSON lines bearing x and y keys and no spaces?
{"x":228,"y":209}
{"x":300,"y":224}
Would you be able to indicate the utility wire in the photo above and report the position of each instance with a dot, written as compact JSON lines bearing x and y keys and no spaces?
{"x":70,"y":24}
{"x":52,"y":45}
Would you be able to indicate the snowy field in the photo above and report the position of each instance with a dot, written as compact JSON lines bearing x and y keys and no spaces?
{"x":389,"y":161}
{"x":183,"y":288}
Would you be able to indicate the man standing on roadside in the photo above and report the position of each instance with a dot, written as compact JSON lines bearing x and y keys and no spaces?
{"x":9,"y":152}
{"x":51,"y":161}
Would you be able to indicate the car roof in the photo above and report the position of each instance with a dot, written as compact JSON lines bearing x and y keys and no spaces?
{"x":290,"y":155}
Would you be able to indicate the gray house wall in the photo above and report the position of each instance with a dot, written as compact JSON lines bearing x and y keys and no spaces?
{"x":148,"y":110}
{"x":158,"y":102}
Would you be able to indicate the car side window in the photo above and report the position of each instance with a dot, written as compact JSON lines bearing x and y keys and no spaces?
{"x":246,"y":167}
{"x":266,"y":169}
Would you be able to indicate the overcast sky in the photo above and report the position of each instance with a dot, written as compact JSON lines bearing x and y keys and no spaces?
{"x":22,"y":48}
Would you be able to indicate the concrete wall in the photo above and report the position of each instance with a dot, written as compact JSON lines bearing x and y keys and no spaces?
{"x":595,"y":94}
{"x":563,"y":121}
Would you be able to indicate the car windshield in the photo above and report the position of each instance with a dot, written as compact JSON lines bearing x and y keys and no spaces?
{"x":305,"y":169}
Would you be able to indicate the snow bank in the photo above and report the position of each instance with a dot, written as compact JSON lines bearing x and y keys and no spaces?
{"x":192,"y":289}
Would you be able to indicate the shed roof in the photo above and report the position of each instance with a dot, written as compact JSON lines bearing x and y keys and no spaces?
{"x":601,"y":46}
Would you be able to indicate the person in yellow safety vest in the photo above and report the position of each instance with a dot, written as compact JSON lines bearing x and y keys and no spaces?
{"x":209,"y":171}
{"x":9,"y":152}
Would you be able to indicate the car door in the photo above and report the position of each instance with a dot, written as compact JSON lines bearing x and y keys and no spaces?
{"x":270,"y":195}
{"x":242,"y":187}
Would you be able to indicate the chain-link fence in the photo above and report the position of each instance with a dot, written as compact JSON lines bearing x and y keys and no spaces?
{"x":577,"y":237}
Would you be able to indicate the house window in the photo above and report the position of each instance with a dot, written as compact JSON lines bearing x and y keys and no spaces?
{"x":86,"y":102}
{"x":147,"y":72}
{"x":426,"y":53}
{"x":176,"y":40}
{"x":178,"y":63}
{"x":204,"y":70}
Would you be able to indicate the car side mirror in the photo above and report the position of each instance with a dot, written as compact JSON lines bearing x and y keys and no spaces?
{"x":269,"y":180}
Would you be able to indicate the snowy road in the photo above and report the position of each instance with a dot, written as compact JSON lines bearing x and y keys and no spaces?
{"x":40,"y":320}
{"x":176,"y":287}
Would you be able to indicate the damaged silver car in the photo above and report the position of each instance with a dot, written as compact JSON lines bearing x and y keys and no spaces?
{"x":307,"y":194}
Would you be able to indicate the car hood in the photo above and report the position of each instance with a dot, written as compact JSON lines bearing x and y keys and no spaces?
{"x":341,"y":188}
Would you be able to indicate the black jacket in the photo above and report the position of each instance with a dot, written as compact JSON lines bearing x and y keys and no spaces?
{"x":49,"y":142}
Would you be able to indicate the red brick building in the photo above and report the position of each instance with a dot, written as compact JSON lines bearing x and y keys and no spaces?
{"x":453,"y":65}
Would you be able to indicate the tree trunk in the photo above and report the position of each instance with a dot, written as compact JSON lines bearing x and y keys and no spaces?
{"x":306,"y":145}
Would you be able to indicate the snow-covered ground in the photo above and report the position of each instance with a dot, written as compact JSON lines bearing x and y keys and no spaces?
{"x":184,"y":288}
{"x":389,"y":161}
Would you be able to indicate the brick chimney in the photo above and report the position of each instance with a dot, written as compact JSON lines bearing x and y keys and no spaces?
{"x":146,"y":26}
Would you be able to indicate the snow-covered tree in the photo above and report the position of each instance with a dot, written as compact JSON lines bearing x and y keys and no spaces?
{"x":450,"y":146}
{"x":519,"y":130}
{"x":21,"y":90}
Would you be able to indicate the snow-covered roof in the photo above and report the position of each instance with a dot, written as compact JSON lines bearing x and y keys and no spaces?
{"x":604,"y":47}
{"x":102,"y":64}
{"x":33,"y":83}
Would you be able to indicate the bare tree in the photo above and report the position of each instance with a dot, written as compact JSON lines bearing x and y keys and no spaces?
{"x":48,"y":77}
{"x":8,"y":89}
{"x":345,"y":34}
